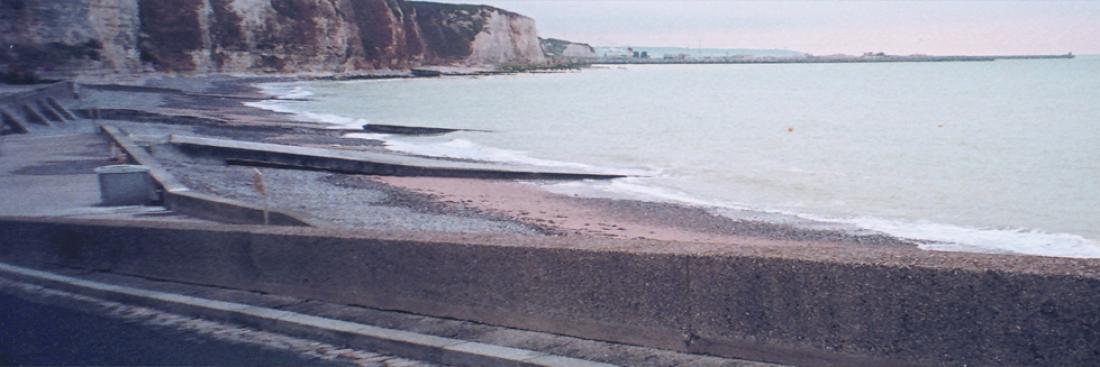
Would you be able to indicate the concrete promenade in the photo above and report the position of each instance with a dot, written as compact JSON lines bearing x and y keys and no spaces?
{"x":452,"y":351}
{"x":49,"y":335}
{"x":51,"y":174}
{"x":330,"y":332}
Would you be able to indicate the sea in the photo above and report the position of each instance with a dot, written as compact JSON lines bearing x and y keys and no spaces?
{"x":995,"y":157}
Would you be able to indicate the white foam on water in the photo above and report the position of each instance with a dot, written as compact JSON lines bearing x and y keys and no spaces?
{"x":626,"y":188}
{"x":284,"y":91}
{"x":454,"y":148}
{"x":947,"y":237}
{"x":931,"y":236}
{"x":368,"y":136}
{"x":466,"y":149}
{"x":297,"y":92}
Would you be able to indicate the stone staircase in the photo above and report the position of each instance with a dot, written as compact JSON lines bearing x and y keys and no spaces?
{"x":27,"y":109}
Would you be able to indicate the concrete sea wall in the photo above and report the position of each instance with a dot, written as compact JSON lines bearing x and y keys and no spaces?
{"x":805,"y":305}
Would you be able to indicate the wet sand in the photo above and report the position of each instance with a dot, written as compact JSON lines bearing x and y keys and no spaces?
{"x":608,"y":218}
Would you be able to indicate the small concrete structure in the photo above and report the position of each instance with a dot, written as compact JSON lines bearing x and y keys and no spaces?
{"x":179,"y":198}
{"x":125,"y":184}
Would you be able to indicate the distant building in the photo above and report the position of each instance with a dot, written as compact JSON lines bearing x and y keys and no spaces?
{"x":617,"y":53}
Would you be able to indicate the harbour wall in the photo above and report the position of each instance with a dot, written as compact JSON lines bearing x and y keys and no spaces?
{"x":801,"y":305}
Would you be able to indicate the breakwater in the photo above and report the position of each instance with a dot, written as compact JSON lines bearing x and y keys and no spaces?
{"x":818,"y":59}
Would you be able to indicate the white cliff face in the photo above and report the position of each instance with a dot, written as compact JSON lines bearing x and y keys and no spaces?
{"x":115,"y":20}
{"x":562,"y":50}
{"x":100,"y":32}
{"x":72,"y":38}
{"x":579,"y":51}
{"x":256,"y":22}
{"x":506,"y":39}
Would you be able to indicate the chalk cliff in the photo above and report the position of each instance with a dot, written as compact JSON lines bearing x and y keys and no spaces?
{"x":558,"y":48}
{"x":80,"y":37}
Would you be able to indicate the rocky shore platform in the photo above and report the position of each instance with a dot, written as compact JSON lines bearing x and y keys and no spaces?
{"x":501,"y":251}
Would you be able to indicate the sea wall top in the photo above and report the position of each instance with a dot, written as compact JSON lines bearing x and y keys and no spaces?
{"x":82,"y":37}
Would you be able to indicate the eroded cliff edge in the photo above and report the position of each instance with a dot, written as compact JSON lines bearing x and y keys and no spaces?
{"x":103,"y":37}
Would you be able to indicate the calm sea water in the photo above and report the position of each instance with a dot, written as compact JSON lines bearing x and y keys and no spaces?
{"x":986,"y":156}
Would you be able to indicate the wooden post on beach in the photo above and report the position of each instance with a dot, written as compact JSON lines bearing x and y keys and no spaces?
{"x":258,"y":185}
{"x":118,"y":156}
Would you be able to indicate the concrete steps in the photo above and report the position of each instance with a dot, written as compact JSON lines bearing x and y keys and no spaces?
{"x":25,"y":109}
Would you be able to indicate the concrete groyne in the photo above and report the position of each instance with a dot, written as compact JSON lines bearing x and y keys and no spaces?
{"x":797,"y":304}
{"x":368,"y":163}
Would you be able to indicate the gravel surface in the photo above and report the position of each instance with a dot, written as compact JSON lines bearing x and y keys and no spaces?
{"x":349,"y":201}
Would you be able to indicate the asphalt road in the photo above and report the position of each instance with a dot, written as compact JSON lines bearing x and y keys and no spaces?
{"x":38,"y":334}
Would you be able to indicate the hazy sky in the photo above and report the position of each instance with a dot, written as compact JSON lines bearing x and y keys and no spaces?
{"x":823,"y":27}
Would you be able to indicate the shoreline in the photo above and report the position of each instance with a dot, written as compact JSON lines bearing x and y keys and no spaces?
{"x":605,"y":217}
{"x":854,"y":227}
{"x":422,"y":201}
{"x":223,"y":107}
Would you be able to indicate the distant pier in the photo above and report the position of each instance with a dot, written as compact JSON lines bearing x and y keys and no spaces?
{"x":867,"y":58}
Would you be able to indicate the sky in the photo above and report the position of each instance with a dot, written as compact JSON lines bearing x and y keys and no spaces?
{"x":823,"y":27}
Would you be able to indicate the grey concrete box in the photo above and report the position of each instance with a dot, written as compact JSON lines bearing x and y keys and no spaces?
{"x":125,"y":185}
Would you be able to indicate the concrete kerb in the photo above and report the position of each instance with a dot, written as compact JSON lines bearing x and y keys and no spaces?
{"x":179,"y":198}
{"x":396,"y":342}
